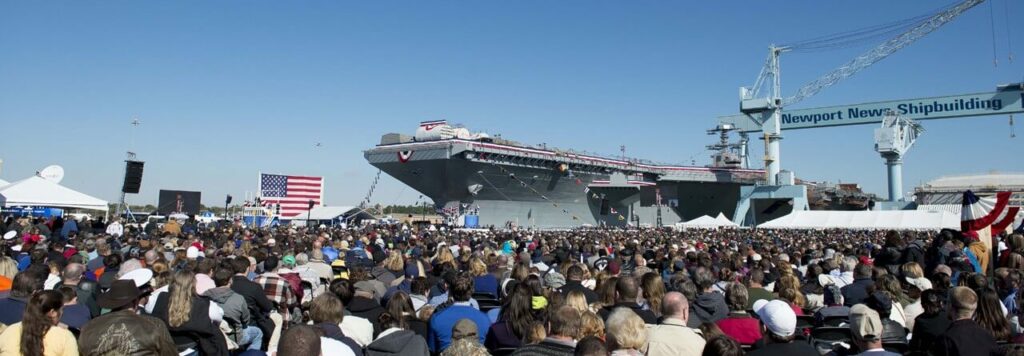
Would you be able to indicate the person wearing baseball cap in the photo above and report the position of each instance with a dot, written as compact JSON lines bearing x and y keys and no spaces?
{"x":778,"y":323}
{"x":866,"y":328}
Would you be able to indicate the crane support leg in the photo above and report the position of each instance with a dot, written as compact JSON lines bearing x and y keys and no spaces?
{"x":895,"y":166}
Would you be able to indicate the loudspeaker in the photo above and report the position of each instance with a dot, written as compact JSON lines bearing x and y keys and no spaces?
{"x":132,"y":177}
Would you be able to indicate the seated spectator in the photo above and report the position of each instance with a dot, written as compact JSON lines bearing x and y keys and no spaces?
{"x":866,"y":327}
{"x":465,"y":340}
{"x":627,"y":291}
{"x":590,"y":346}
{"x":710,"y":306}
{"x":326,"y":312}
{"x":187,"y":316}
{"x":892,"y":331}
{"x":123,"y":331}
{"x":739,"y":325}
{"x":722,"y":346}
{"x":625,"y":331}
{"x":73,"y":315}
{"x":37,"y":333}
{"x":483,"y":281}
{"x":964,"y":336}
{"x":441,"y":323}
{"x":930,"y":324}
{"x":574,"y":282}
{"x":563,"y":329}
{"x":833,"y":305}
{"x":397,"y":339}
{"x":779,"y":324}
{"x":12,"y":308}
{"x":672,"y":336}
{"x":855,"y":293}
{"x":755,"y":289}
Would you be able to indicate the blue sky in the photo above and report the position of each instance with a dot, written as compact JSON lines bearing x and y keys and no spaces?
{"x":226,"y":89}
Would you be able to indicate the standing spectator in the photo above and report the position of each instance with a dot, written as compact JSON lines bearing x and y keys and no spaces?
{"x":115,"y":229}
{"x":779,"y":324}
{"x":38,"y":333}
{"x":672,"y":336}
{"x":964,"y":336}
{"x":441,"y":323}
{"x":625,"y":332}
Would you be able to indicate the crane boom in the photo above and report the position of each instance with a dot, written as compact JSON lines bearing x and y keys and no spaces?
{"x":766,"y":112}
{"x":880,"y":52}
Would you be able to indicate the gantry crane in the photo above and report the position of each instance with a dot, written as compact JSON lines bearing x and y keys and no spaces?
{"x":765,"y":109}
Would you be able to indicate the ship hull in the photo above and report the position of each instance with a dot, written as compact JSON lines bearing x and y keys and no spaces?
{"x":523,"y":188}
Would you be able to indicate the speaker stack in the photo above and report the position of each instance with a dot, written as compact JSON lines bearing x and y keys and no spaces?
{"x":132,"y":177}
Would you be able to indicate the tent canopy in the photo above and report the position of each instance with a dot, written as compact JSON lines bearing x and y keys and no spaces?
{"x":3,"y":183}
{"x":36,"y":191}
{"x":888,"y":219}
{"x":707,"y":222}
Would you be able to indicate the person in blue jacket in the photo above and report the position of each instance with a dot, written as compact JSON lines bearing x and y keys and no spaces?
{"x":439,"y":335}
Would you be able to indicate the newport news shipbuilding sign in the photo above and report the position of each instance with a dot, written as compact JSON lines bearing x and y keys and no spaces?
{"x":1005,"y":101}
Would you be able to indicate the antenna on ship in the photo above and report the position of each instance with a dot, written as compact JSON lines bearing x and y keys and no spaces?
{"x":622,"y":148}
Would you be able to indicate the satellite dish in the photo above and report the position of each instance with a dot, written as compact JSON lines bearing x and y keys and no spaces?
{"x":52,"y":173}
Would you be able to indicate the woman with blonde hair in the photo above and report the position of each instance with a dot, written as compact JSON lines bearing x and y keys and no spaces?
{"x":38,"y":333}
{"x":591,"y":325}
{"x":653,"y":291}
{"x":577,"y":300}
{"x":626,"y":333}
{"x":483,"y":282}
{"x":187,"y":317}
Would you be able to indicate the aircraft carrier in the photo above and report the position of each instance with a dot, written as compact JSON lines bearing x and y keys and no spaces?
{"x":476,"y":180}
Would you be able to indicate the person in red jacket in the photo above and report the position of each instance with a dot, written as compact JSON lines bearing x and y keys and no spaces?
{"x":739,"y":325}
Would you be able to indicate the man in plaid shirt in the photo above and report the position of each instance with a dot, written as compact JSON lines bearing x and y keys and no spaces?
{"x":277,"y":290}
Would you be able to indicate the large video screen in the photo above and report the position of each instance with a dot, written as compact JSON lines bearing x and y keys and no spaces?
{"x":178,"y":201}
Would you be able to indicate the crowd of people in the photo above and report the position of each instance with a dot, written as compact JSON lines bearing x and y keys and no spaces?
{"x":96,"y":288}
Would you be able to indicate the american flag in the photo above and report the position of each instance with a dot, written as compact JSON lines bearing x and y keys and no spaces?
{"x":292,"y":192}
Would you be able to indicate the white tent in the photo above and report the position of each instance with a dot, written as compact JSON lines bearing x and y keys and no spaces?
{"x":705,"y":221}
{"x":3,"y":182}
{"x":36,"y":191}
{"x":861,"y":219}
{"x":725,"y":221}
